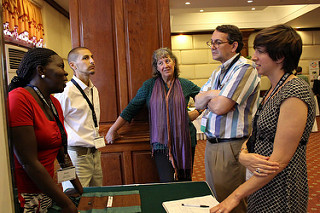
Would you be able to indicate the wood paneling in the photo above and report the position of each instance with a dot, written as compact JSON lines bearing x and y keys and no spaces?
{"x":143,"y":164}
{"x":142,"y":39}
{"x":94,"y":30}
{"x":112,"y":167}
{"x":122,"y":34}
{"x":128,"y":160}
{"x":245,"y":38}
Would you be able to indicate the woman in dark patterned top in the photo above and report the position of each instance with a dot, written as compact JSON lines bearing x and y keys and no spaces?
{"x":275,"y":154}
{"x":172,"y":135}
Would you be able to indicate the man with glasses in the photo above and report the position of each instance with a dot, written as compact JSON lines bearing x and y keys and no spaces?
{"x":230,"y":98}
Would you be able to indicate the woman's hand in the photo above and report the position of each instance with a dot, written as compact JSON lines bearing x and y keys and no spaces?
{"x":111,"y":136}
{"x":226,"y":206}
{"x":112,"y":133}
{"x":193,"y":115}
{"x":259,"y":165}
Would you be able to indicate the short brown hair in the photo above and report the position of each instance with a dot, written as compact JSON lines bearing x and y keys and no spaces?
{"x":281,"y":41}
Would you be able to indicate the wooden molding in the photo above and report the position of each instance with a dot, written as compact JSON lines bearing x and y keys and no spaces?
{"x":57,"y":7}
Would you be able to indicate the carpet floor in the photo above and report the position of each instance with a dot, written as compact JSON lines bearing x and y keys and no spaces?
{"x":313,"y":166}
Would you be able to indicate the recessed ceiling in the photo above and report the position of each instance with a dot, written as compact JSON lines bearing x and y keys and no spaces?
{"x":180,"y":4}
{"x":188,"y":18}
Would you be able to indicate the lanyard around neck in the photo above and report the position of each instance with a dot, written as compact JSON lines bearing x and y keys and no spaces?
{"x":55,"y":115}
{"x":227,"y":70}
{"x":94,"y":116}
{"x":251,"y":141}
{"x":279,"y":84}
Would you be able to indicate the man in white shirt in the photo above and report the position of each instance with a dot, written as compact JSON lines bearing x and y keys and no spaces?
{"x":81,"y":110}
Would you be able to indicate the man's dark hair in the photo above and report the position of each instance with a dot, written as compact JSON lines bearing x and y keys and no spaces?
{"x":73,"y":54}
{"x":234,"y":35}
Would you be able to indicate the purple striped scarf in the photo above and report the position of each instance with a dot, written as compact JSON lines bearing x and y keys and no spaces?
{"x":178,"y":140}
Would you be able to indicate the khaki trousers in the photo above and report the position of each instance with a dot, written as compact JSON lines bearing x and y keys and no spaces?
{"x":88,"y":167}
{"x":224,"y":173}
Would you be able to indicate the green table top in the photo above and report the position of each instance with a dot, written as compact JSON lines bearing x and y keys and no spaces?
{"x":152,"y":195}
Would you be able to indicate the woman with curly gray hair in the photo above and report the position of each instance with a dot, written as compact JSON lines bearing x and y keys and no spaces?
{"x":172,"y":135}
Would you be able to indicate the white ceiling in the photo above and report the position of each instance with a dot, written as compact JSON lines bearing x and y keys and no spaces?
{"x":230,"y":5}
{"x":188,"y":18}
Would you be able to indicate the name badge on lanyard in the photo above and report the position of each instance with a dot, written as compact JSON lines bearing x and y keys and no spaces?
{"x":98,"y":140}
{"x":65,"y":174}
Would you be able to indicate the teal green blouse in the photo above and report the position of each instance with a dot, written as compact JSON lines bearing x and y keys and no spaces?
{"x":143,"y":96}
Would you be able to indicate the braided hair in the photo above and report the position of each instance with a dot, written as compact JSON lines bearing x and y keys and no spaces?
{"x":28,"y":65}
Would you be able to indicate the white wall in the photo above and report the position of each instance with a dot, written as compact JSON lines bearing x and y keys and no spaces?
{"x":57,"y":35}
{"x":6,"y":195}
{"x":194,"y":57}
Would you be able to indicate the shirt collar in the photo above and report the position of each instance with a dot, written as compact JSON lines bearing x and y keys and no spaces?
{"x":81,"y":84}
{"x":226,"y":64}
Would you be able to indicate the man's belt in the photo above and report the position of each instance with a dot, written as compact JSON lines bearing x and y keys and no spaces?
{"x":221,"y":140}
{"x":82,"y":150}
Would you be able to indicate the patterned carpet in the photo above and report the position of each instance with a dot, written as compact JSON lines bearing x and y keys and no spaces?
{"x":313,"y":164}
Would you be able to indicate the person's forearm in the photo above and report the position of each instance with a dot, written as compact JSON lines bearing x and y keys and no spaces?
{"x":112,"y":134}
{"x":118,"y":124}
{"x":221,"y":105}
{"x":77,"y":185}
{"x":202,"y":99}
{"x":252,"y":185}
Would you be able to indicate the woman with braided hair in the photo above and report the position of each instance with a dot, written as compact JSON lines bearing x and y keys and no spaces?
{"x":37,"y":132}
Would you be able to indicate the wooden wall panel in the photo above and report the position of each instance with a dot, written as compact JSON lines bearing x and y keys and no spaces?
{"x":94,"y":30}
{"x":112,"y":168}
{"x":120,"y":63}
{"x":144,"y":167}
{"x":164,"y":23}
{"x":142,"y":32}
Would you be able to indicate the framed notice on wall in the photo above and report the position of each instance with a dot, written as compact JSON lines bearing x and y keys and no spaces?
{"x":314,"y":70}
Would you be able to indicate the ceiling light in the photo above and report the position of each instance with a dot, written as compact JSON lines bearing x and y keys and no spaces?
{"x":201,"y":11}
{"x":249,"y":1}
{"x":253,"y":8}
{"x":187,"y":3}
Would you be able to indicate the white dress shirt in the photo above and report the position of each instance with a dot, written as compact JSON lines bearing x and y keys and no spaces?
{"x":78,"y":118}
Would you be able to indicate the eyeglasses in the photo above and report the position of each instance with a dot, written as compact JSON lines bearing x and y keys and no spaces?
{"x":215,"y":43}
